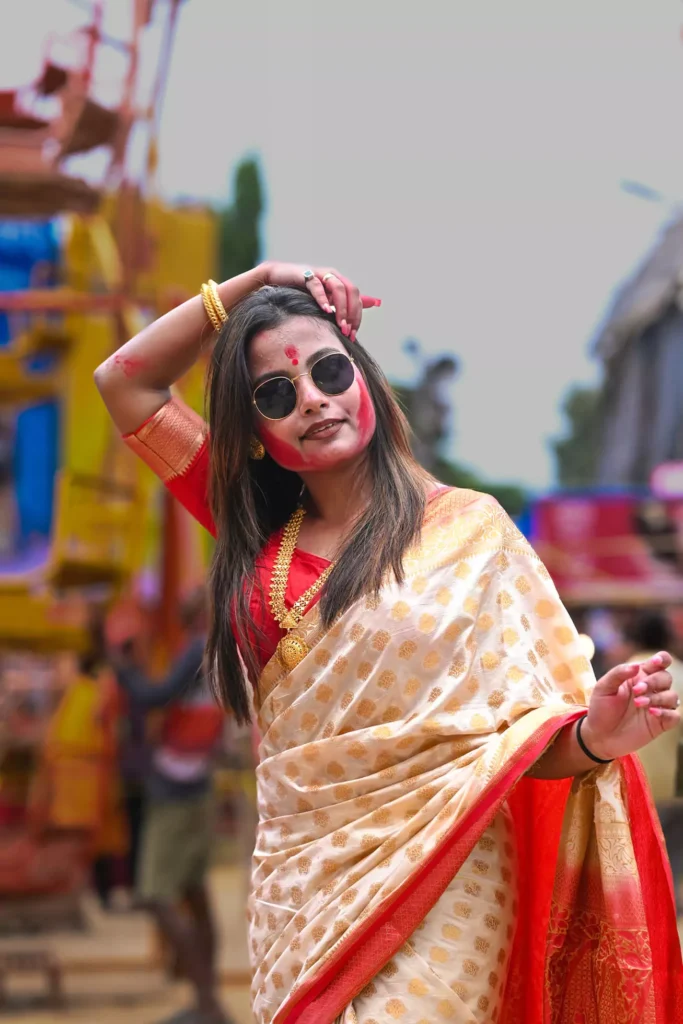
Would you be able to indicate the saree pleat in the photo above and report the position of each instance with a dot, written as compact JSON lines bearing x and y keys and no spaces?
{"x":441,"y":972}
{"x":399,"y":841}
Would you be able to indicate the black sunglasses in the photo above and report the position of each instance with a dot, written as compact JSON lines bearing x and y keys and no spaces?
{"x":332,"y":374}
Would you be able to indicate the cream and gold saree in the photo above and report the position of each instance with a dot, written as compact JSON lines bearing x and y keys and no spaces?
{"x":406,"y":866}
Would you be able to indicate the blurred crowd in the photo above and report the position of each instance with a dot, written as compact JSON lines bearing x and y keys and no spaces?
{"x":121,"y":794}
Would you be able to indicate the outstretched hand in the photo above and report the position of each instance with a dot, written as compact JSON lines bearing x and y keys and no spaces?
{"x":631,"y":705}
{"x":333,"y":292}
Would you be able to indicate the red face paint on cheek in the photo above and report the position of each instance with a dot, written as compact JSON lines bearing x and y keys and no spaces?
{"x":367,"y":421}
{"x":286,"y":455}
{"x":292,"y":353}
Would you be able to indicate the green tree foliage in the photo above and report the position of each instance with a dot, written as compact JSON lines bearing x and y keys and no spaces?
{"x":239,"y":224}
{"x":576,"y":454}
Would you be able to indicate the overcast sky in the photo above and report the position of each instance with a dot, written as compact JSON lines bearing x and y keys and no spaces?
{"x":461,"y":159}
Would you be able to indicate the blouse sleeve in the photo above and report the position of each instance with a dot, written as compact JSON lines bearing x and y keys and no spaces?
{"x":174,"y":443}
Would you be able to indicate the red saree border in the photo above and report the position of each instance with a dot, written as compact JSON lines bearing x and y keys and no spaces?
{"x":657,"y":888}
{"x":325,"y":996}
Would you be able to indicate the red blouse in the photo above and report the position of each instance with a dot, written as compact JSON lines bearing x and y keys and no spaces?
{"x":174,"y":443}
{"x":305,"y":569}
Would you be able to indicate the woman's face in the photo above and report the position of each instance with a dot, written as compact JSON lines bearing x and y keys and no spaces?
{"x":323,"y":431}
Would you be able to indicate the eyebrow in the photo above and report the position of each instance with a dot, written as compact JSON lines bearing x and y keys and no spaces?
{"x":313,"y":358}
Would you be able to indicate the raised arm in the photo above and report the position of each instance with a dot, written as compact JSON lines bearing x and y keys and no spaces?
{"x":135,"y":381}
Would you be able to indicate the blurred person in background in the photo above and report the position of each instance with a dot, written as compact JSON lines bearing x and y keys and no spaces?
{"x":648,"y":632}
{"x":423,"y":699}
{"x":135,"y":754}
{"x":77,"y":789}
{"x":176,"y":836}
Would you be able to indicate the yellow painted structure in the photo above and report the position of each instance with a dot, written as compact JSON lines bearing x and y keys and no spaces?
{"x":107,"y":507}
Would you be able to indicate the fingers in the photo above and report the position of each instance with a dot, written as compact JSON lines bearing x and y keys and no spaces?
{"x":336,"y":292}
{"x":654,"y":683}
{"x":655,"y":693}
{"x":612,"y":680}
{"x":665,"y":699}
{"x":654,"y":664}
{"x":354,"y":309}
{"x":317,"y":290}
{"x":665,"y":719}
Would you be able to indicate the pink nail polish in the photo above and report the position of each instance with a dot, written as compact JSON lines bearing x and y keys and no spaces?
{"x":657,"y":712}
{"x":639,"y":689}
{"x":346,"y":330}
{"x":353,"y":336}
{"x":378,"y":302}
{"x":641,"y":702}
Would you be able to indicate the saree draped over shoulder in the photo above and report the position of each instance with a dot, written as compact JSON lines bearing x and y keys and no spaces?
{"x":406,"y":866}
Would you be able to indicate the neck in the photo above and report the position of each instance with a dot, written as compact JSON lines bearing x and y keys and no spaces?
{"x":339,"y":495}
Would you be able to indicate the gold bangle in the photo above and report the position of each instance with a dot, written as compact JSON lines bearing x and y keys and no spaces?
{"x":207,"y":299}
{"x":218,"y":305}
{"x":215,"y":309}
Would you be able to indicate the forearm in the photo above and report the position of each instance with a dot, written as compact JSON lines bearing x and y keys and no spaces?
{"x":137,"y":686}
{"x":564,"y":758}
{"x":145,"y":692}
{"x":136,"y":380}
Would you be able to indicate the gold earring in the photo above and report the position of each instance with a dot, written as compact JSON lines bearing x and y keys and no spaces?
{"x":256,"y":449}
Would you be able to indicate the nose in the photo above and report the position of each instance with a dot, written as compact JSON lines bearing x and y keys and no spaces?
{"x":311,"y":400}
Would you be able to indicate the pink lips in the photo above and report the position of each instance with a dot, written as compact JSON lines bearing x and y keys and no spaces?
{"x":323,"y":429}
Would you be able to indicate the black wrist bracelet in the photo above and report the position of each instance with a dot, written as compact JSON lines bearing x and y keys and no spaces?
{"x":579,"y":740}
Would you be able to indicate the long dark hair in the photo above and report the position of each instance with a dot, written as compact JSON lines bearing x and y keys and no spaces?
{"x":252,"y":499}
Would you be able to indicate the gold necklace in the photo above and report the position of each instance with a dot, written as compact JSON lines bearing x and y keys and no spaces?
{"x":292,"y":648}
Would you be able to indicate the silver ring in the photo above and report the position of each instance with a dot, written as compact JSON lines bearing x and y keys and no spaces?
{"x":308,"y":275}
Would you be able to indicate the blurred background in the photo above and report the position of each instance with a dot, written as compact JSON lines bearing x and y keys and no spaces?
{"x":506,"y":177}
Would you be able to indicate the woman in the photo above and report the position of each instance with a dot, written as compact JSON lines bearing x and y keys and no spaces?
{"x":409,"y":663}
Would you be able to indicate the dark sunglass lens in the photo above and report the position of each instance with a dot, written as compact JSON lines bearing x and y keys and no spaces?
{"x":275,"y":398}
{"x":333,"y":374}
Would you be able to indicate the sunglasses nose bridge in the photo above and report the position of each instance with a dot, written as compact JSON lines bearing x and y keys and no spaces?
{"x":308,"y":393}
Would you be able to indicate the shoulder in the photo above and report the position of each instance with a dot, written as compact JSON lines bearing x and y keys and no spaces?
{"x":473,"y":522}
{"x":451,"y":503}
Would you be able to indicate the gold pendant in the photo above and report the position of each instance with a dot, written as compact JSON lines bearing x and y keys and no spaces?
{"x":291,"y":650}
{"x":289,"y":622}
